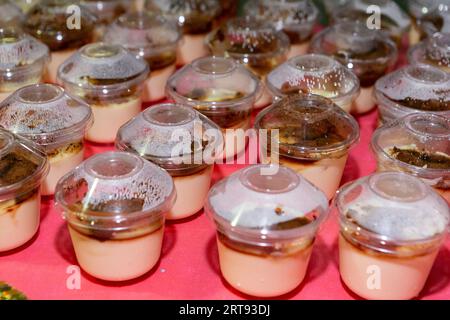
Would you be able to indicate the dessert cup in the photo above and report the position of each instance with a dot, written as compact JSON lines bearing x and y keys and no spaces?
{"x":265,"y":239}
{"x":434,"y":51}
{"x":195,"y":18}
{"x":315,"y":74}
{"x":26,"y":5}
{"x":23,"y":167}
{"x":152,"y":38}
{"x":417,"y":144}
{"x":311,"y":135}
{"x":437,"y":19}
{"x":391,"y":228}
{"x":417,"y":9}
{"x":221,"y":89}
{"x":110,"y":79}
{"x":53,"y":119}
{"x":368,"y":53}
{"x":23,"y":60}
{"x":115,"y":205}
{"x":10,"y":14}
{"x":52,"y":22}
{"x":176,"y":138}
{"x":254,"y":43}
{"x":414,"y":88}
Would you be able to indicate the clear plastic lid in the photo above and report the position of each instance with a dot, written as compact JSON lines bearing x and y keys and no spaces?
{"x":418,"y":8}
{"x":102,"y":67}
{"x":434,"y":50}
{"x":149,"y":36}
{"x":295,"y":17}
{"x":175,"y":137}
{"x":368,"y":53}
{"x":106,"y":10}
{"x":194,"y":16}
{"x":10,"y":13}
{"x":418,"y":144}
{"x":115,"y":192}
{"x":309,"y":127}
{"x":316,"y":74}
{"x":278,"y":204}
{"x":437,"y":19}
{"x":22,"y":166}
{"x":414,"y":88}
{"x":46,"y":114}
{"x":391,"y":212}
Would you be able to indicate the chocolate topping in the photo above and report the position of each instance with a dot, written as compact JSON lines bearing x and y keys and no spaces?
{"x":14,"y":167}
{"x":419,"y":158}
{"x":428,"y":105}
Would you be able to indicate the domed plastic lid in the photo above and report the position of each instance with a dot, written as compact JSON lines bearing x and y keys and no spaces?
{"x":115,"y":191}
{"x":314,"y":73}
{"x":434,"y":50}
{"x":417,"y":144}
{"x":10,"y":14}
{"x":392,"y":206}
{"x":46,"y":114}
{"x":437,"y":20}
{"x":148,"y":36}
{"x":106,"y":10}
{"x":22,"y":165}
{"x":309,"y":127}
{"x":275,"y":203}
{"x":101,"y":65}
{"x":418,"y":8}
{"x":194,"y":16}
{"x":415,"y":88}
{"x":369,"y":53}
{"x":52,"y":22}
{"x":175,"y":137}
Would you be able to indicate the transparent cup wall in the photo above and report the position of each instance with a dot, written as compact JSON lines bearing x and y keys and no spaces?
{"x":434,"y":51}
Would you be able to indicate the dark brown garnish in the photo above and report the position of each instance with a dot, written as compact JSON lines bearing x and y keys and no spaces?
{"x":15,"y":167}
{"x":425,"y":105}
{"x":161,"y":61}
{"x":421,"y":158}
{"x":71,"y":148}
{"x":291,"y":224}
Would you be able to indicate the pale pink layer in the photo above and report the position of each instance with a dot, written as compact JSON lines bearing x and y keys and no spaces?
{"x":298,"y":49}
{"x":155,"y":85}
{"x":57,"y":58}
{"x":364,"y":102}
{"x":191,"y":47}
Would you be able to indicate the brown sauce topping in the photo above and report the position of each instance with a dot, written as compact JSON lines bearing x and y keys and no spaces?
{"x":425,"y":105}
{"x":71,"y":148}
{"x":15,"y":167}
{"x":161,"y":61}
{"x":421,"y":158}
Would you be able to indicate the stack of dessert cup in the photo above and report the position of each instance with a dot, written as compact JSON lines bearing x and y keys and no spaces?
{"x":414,"y":88}
{"x":253,"y":42}
{"x":184,"y":143}
{"x":417,"y":144}
{"x":315,"y":74}
{"x":224,"y":91}
{"x":417,"y":9}
{"x":23,"y":60}
{"x":51,"y":21}
{"x":434,"y":51}
{"x":311,"y":135}
{"x":110,"y":79}
{"x":392,"y":226}
{"x":115,"y":205}
{"x":53,"y":119}
{"x":195,"y":17}
{"x":370,"y":54}
{"x":152,"y":38}
{"x":266,"y":238}
{"x":295,"y":18}
{"x":23,"y":168}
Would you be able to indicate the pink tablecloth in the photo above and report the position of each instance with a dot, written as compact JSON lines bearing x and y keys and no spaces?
{"x":189,"y":267}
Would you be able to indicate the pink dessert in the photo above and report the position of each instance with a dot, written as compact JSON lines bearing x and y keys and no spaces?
{"x":115,"y":205}
{"x":265,"y":240}
{"x":392,"y":227}
{"x":55,"y":120}
{"x":22,"y":170}
{"x":183,"y":142}
{"x":110,"y":79}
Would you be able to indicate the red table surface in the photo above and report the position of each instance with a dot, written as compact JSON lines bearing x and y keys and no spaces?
{"x":188,"y":268}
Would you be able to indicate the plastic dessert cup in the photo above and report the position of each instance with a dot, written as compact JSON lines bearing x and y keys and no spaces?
{"x":437,"y":19}
{"x":311,"y":135}
{"x":370,"y":54}
{"x":392,"y":226}
{"x":417,"y":144}
{"x":414,"y":88}
{"x":24,"y":60}
{"x":110,"y":79}
{"x":224,"y":91}
{"x":53,"y":119}
{"x":195,"y":19}
{"x":184,"y":143}
{"x":51,"y":21}
{"x":254,"y":43}
{"x":115,"y":205}
{"x":10,"y":14}
{"x":315,"y":74}
{"x":295,"y":18}
{"x":417,"y":9}
{"x":265,"y":239}
{"x":434,"y":51}
{"x":152,"y":38}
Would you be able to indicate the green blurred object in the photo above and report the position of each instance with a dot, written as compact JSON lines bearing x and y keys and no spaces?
{"x":9,"y":293}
